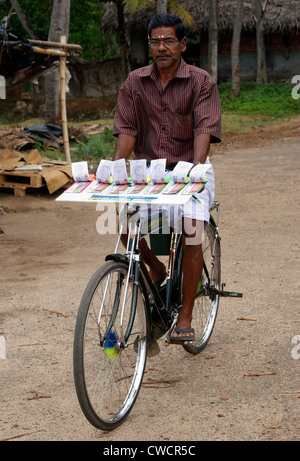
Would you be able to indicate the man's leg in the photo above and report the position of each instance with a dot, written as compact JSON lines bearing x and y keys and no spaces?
{"x":192,"y":270}
{"x":156,"y":267}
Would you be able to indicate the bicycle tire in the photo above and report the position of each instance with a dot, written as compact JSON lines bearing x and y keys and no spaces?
{"x":206,"y":305}
{"x":107,"y":374}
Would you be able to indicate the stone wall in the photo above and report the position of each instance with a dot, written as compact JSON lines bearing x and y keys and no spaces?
{"x":95,"y":79}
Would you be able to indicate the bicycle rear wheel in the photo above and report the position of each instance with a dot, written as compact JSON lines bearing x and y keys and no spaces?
{"x":109,"y":359}
{"x":206,"y":302}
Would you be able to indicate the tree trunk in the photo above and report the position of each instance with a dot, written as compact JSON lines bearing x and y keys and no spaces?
{"x":59,"y":26}
{"x":138,"y":48}
{"x":261,"y":71}
{"x":122,"y":39}
{"x":235,"y":49}
{"x":213,"y":39}
{"x":161,"y":6}
{"x":23,"y":19}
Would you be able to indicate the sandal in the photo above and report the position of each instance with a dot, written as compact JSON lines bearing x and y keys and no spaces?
{"x":182,"y":338}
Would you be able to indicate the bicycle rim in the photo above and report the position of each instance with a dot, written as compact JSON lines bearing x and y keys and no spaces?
{"x":206,"y":306}
{"x":108,"y":372}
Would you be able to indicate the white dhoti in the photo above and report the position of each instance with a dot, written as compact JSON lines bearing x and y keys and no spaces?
{"x":196,"y":208}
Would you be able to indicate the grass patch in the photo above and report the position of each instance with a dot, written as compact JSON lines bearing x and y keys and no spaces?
{"x":96,"y":147}
{"x":238,"y":123}
{"x":91,"y":148}
{"x":272,"y":100}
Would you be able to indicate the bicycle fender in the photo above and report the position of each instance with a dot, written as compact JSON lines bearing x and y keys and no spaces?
{"x":116,"y":257}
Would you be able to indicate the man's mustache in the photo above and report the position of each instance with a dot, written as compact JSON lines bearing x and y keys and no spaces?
{"x":163,"y":55}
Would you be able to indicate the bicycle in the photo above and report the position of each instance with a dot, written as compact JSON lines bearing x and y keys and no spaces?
{"x":120,"y":311}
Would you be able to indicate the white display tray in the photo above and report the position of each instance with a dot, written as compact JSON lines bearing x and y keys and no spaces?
{"x":85,"y":196}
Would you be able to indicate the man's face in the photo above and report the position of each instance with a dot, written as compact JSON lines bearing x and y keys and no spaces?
{"x":166,"y":55}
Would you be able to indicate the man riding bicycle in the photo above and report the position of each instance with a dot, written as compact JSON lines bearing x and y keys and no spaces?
{"x":172,"y":110}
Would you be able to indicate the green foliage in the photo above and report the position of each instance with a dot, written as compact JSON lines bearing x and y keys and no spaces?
{"x":97,"y":147}
{"x":180,"y":11}
{"x":134,"y":5}
{"x":85,"y":30}
{"x":38,"y":13}
{"x":272,"y":99}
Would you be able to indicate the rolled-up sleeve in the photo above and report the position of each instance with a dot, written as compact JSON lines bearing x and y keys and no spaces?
{"x":207,"y":111}
{"x":125,"y":120}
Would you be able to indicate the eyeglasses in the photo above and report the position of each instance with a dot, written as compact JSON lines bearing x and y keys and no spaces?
{"x":168,"y":42}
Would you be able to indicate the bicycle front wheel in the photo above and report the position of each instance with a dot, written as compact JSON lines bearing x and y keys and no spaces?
{"x":110,"y":346}
{"x":206,"y":302}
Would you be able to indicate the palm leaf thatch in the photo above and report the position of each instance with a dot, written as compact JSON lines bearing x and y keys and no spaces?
{"x":281,"y":16}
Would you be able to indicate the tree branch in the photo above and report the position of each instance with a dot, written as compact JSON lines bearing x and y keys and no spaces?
{"x":23,"y":19}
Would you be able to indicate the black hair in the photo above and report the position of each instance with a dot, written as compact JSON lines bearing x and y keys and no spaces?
{"x":167,"y":20}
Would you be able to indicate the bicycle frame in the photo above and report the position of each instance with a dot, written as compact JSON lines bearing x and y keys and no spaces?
{"x":137,"y":266}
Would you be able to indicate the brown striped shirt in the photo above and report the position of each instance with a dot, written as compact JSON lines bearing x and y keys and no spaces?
{"x":165,"y":122}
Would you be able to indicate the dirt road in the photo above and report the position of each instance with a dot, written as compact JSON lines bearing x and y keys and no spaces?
{"x":245,"y":384}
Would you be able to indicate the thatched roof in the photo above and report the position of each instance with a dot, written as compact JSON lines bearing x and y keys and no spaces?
{"x":280,"y":15}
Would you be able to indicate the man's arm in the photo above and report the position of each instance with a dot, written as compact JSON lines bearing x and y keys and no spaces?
{"x":201,"y":147}
{"x":124,"y":146}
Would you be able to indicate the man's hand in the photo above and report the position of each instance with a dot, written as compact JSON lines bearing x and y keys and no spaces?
{"x":124,"y":147}
{"x":201,"y":147}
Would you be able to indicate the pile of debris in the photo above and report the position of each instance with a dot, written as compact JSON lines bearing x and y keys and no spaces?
{"x":14,"y":138}
{"x":24,"y":139}
{"x":20,"y":172}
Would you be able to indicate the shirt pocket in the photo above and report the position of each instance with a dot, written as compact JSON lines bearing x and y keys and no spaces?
{"x":182,"y":127}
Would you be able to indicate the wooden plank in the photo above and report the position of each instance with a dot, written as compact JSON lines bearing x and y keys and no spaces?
{"x":20,"y":181}
{"x":25,"y":178}
{"x":67,"y":46}
{"x":19,"y":191}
